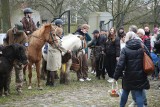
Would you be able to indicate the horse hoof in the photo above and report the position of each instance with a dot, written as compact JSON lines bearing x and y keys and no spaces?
{"x":30,"y":87}
{"x":40,"y":88}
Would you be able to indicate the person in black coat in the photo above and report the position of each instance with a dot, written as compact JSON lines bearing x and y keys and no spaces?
{"x":98,"y":44}
{"x":130,"y":67}
{"x":112,"y":51}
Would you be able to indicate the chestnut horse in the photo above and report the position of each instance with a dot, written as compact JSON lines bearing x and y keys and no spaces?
{"x":36,"y":42}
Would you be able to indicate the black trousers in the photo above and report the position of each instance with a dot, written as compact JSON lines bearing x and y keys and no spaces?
{"x":110,"y":64}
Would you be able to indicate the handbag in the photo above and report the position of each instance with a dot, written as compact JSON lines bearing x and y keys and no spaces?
{"x":148,"y":65}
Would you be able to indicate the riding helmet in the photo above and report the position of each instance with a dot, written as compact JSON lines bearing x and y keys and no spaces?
{"x":28,"y":10}
{"x":19,"y":27}
{"x":58,"y":22}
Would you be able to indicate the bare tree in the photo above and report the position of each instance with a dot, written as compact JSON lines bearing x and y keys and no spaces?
{"x":5,"y":15}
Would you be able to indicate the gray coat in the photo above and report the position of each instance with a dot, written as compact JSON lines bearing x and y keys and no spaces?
{"x":54,"y":57}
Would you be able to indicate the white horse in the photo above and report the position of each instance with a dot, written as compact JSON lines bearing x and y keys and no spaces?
{"x":69,"y":42}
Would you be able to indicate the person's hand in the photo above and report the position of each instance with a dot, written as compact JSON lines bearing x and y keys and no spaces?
{"x":81,"y":37}
{"x":103,"y":52}
{"x":114,"y":80}
{"x":28,"y":32}
{"x":117,"y":58}
{"x":68,"y":51}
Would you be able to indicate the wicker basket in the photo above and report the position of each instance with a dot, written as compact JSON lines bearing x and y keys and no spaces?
{"x":114,"y":94}
{"x":75,"y":64}
{"x":114,"y":91}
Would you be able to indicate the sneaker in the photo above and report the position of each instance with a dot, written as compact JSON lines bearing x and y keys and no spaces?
{"x":92,"y":72}
{"x":88,"y":79}
{"x":81,"y":79}
{"x":110,"y":80}
{"x":133,"y":104}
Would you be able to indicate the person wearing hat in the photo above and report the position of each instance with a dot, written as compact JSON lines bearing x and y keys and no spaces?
{"x":98,"y":44}
{"x":27,"y":21}
{"x":16,"y":35}
{"x":58,"y":22}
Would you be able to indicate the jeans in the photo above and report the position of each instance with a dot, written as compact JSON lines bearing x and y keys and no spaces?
{"x":143,"y":95}
{"x":138,"y":97}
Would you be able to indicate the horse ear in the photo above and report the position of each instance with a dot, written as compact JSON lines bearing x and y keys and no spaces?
{"x":47,"y":27}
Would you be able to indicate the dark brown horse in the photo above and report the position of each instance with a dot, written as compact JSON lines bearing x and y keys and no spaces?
{"x":36,"y":42}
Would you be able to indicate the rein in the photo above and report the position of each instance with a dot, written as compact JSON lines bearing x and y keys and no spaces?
{"x":37,"y":37}
{"x":53,"y":40}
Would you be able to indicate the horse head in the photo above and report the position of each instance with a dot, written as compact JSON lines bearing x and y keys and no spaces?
{"x":15,"y":52}
{"x":50,"y":31}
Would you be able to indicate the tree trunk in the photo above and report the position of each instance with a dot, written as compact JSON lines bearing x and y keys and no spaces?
{"x":5,"y":15}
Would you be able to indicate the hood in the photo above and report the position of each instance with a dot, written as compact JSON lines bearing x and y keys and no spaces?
{"x":133,"y":44}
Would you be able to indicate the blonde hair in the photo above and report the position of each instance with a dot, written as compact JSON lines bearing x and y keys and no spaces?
{"x":85,"y":26}
{"x":141,"y":31}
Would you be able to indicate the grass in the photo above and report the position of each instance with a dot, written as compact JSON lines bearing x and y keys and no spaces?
{"x":152,"y":94}
{"x":74,"y":84}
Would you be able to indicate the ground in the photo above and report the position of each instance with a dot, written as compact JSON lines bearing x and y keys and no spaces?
{"x":77,"y":94}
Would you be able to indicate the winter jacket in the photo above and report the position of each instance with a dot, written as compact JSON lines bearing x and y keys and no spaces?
{"x":12,"y":38}
{"x":99,"y":42}
{"x":130,"y":65}
{"x":112,"y":47}
{"x":28,"y":25}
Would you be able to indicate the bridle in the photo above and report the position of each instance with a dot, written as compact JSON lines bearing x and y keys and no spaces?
{"x":52,"y":36}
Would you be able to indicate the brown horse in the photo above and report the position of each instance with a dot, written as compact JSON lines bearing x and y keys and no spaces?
{"x":36,"y":42}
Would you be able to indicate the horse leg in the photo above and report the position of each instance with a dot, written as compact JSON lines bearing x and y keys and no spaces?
{"x":38,"y":74}
{"x":1,"y":84}
{"x":30,"y":74}
{"x":43,"y":69}
{"x":67,"y":76}
{"x":24,"y":73}
{"x":62,"y":73}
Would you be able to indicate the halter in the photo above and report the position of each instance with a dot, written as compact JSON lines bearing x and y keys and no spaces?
{"x":52,"y":36}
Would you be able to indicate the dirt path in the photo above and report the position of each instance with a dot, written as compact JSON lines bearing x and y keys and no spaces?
{"x":86,"y":94}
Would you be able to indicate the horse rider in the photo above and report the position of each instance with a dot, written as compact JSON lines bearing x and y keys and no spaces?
{"x":17,"y":35}
{"x":98,"y":44}
{"x":27,"y":21}
{"x":82,"y":74}
{"x":54,"y":57}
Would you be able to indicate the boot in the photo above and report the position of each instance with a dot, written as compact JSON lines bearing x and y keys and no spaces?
{"x":48,"y":78}
{"x":56,"y":76}
{"x":52,"y":75}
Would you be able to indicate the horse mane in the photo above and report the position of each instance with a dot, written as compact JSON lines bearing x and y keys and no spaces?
{"x":41,"y":29}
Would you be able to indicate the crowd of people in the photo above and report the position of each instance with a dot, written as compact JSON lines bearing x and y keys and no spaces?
{"x":118,"y":54}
